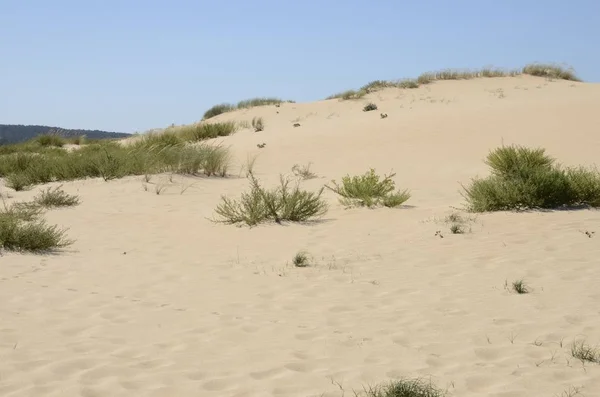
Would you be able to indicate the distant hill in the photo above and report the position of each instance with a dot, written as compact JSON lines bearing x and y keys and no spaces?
{"x":19,"y":133}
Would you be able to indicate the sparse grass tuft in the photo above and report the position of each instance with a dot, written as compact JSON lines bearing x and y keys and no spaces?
{"x":550,"y":71}
{"x":405,"y":388}
{"x":22,"y":230}
{"x":520,"y":287}
{"x":48,"y":140}
{"x":56,"y":197}
{"x":369,"y":107}
{"x":348,"y":95}
{"x":303,"y":172}
{"x":584,"y":352}
{"x":280,"y":204}
{"x":457,"y":228}
{"x":247,"y":103}
{"x":368,"y":190}
{"x":524,"y":178}
{"x":258,"y":124}
{"x":18,"y":181}
{"x":301,"y":259}
{"x":218,"y":109}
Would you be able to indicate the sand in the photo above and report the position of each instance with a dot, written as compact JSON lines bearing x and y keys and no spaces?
{"x":153,"y":299}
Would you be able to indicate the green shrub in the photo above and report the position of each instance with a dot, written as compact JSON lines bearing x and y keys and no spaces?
{"x":280,"y":204}
{"x":369,"y":107}
{"x":202,"y":131}
{"x":551,"y":71}
{"x":50,"y":140}
{"x":21,"y":230}
{"x":217,"y":110}
{"x":18,"y":181}
{"x":524,"y":178}
{"x":50,"y":198}
{"x":258,"y":124}
{"x":406,"y":388}
{"x":368,"y":190}
{"x":253,"y":102}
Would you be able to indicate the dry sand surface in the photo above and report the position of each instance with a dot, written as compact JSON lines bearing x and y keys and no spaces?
{"x":155,"y":300}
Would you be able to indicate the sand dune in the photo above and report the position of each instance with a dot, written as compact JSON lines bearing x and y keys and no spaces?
{"x":155,"y":300}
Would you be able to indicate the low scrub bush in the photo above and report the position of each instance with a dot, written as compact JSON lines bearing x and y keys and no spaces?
{"x":258,"y":124}
{"x":217,"y":110}
{"x":51,"y":198}
{"x":283,"y":203}
{"x":405,"y":388}
{"x":524,"y":178}
{"x":50,"y":140}
{"x":154,"y":154}
{"x":247,"y":103}
{"x":202,"y":131}
{"x":22,"y":230}
{"x":550,"y":71}
{"x":369,"y":107}
{"x":368,"y":190}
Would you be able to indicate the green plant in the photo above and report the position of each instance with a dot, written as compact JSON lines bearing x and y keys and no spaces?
{"x":258,"y":124}
{"x":524,"y":178}
{"x":551,"y":71}
{"x":303,"y":172}
{"x":301,"y":259}
{"x":21,"y":230}
{"x":584,"y":352}
{"x":280,"y":204}
{"x":56,"y":197}
{"x":457,"y":228}
{"x":520,"y":287}
{"x":217,"y":110}
{"x":369,"y":107}
{"x":253,"y":102}
{"x":50,"y":140}
{"x":405,"y":388}
{"x":18,"y":181}
{"x":202,"y":131}
{"x":368,"y":190}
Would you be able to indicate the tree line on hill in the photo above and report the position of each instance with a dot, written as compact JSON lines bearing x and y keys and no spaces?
{"x":11,"y":133}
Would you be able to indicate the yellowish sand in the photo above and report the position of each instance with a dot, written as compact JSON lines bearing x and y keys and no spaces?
{"x":155,"y":300}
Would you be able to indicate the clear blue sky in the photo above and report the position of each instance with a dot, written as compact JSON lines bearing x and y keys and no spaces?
{"x":125,"y":65}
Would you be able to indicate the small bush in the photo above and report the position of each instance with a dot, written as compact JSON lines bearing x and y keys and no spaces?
{"x":406,"y":388}
{"x":254,"y":102}
{"x":408,"y":83}
{"x":56,"y":197}
{"x":520,"y":287}
{"x":50,"y":140}
{"x":551,"y":71}
{"x":303,"y":172}
{"x":368,"y":190}
{"x":280,"y":204}
{"x":18,"y":181}
{"x":301,"y":259}
{"x":217,"y":110}
{"x":369,"y":107}
{"x":258,"y":124}
{"x":584,"y":352}
{"x":21,"y":230}
{"x":524,"y":178}
{"x":457,"y":228}
{"x":348,"y":95}
{"x":202,"y":131}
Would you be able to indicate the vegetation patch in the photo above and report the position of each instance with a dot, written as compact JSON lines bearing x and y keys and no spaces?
{"x":283,"y":203}
{"x":245,"y":104}
{"x":543,"y":70}
{"x":52,"y":198}
{"x":21,"y":229}
{"x":405,"y":388}
{"x":523,"y":178}
{"x":584,"y":352}
{"x":151,"y":154}
{"x":368,"y":190}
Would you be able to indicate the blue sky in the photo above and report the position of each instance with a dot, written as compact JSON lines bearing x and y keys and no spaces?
{"x":133,"y":65}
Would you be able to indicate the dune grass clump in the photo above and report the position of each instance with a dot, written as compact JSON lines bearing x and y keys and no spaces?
{"x":22,"y":230}
{"x":258,"y":124}
{"x":303,"y":171}
{"x":369,"y":191}
{"x":203,"y":131}
{"x":217,"y":110}
{"x":50,"y":140}
{"x":283,"y":203}
{"x":52,"y":198}
{"x":152,"y":154}
{"x":550,"y":71}
{"x":369,"y":107}
{"x":523,"y":178}
{"x":584,"y":352}
{"x":245,"y":104}
{"x":520,"y":287}
{"x":405,"y":388}
{"x":301,"y":259}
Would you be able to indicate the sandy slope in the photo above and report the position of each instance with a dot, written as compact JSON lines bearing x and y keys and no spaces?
{"x":154,"y":300}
